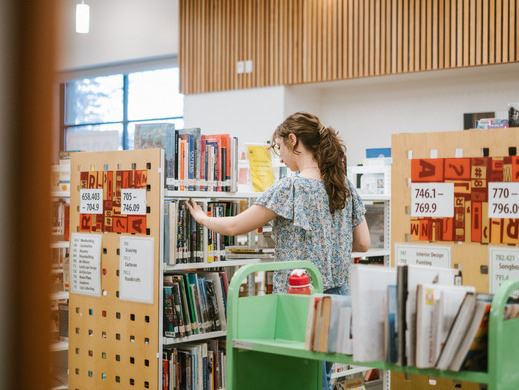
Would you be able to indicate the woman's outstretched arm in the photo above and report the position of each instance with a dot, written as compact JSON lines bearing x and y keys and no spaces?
{"x":248,"y":220}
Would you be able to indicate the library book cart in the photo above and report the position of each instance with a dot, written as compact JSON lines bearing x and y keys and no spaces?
{"x":266,"y":337}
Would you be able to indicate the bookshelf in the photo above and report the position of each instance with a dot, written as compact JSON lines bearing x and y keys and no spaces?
{"x":179,"y":343}
{"x":115,"y":330}
{"x":278,"y":341}
{"x":471,"y":257}
{"x":215,"y":264}
{"x":59,"y":246}
{"x":373,"y":184}
{"x":199,"y":337}
{"x":210,"y":195}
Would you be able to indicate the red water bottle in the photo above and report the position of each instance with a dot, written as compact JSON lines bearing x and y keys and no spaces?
{"x":299,"y":282}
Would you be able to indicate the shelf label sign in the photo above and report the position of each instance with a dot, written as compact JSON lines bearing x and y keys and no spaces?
{"x":91,"y":201}
{"x":504,"y":266}
{"x":133,"y":201}
{"x":136,"y":276}
{"x":428,"y":255}
{"x":85,"y":263}
{"x":432,"y":200}
{"x":503,"y":200}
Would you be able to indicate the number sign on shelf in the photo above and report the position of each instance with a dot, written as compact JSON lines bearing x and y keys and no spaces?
{"x":133,"y":201}
{"x":503,"y":199}
{"x":91,"y":201}
{"x":432,"y":200}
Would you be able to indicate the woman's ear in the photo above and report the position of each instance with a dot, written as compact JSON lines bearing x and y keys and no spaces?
{"x":292,"y":139}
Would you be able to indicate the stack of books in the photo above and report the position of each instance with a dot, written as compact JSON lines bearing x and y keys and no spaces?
{"x":412,"y":316}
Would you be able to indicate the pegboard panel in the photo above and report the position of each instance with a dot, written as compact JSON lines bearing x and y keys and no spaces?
{"x":472,"y":257}
{"x":114,"y":344}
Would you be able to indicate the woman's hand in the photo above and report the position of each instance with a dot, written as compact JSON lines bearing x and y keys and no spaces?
{"x":196,"y":212}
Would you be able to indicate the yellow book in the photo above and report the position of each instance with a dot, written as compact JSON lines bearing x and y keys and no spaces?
{"x":260,"y":164}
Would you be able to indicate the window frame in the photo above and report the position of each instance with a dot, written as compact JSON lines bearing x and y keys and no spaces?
{"x":116,"y":69}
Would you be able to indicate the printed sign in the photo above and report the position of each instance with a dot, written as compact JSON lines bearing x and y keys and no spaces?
{"x":432,"y":200}
{"x":503,"y":200}
{"x":136,"y":275}
{"x":85,"y":263}
{"x":428,"y":255}
{"x":133,"y":201}
{"x":504,"y":266}
{"x":91,"y":201}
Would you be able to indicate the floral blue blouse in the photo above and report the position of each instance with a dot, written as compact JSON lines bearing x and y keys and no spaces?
{"x":304,"y":228}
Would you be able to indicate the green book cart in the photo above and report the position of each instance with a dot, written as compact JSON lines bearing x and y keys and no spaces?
{"x":266,"y":337}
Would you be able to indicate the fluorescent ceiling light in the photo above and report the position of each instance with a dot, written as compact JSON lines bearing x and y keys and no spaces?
{"x":82,"y":18}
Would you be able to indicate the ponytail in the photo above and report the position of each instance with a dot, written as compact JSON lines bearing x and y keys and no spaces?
{"x":328,"y":150}
{"x":331,"y":158}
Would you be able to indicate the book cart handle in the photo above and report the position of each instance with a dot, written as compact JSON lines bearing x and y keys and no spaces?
{"x":245,"y":271}
{"x":500,"y":353}
{"x":233,"y":296}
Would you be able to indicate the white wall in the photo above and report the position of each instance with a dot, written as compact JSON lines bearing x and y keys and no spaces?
{"x":368,"y":111}
{"x":252,"y":115}
{"x":120,"y":31}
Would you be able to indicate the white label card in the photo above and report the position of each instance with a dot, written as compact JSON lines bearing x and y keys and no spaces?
{"x":503,"y":266}
{"x":85,"y":263}
{"x":136,"y":276}
{"x":91,"y":201}
{"x":432,"y":200}
{"x":428,"y":255}
{"x":503,"y":200}
{"x":133,"y":201}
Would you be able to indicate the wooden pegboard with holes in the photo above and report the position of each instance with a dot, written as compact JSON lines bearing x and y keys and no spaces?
{"x":114,"y":344}
{"x":472,"y":257}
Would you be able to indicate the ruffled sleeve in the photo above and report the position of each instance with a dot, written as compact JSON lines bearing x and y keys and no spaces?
{"x":288,"y":200}
{"x":279,"y":198}
{"x":357,"y":207}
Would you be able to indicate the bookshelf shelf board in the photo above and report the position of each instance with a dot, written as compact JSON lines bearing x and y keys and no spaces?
{"x":60,"y":244}
{"x":372,"y":253}
{"x":61,"y":168}
{"x":375,"y":197}
{"x":60,"y":194}
{"x":60,"y":295}
{"x":196,"y":337}
{"x":297,"y":349}
{"x":211,"y":194}
{"x":216,"y":264}
{"x":59,"y":346}
{"x":351,"y":371}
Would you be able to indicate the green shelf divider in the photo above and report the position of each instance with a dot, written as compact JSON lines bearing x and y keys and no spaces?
{"x":266,"y":336}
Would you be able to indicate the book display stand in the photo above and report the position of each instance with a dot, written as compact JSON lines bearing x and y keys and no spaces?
{"x":471,"y":257}
{"x":266,"y":341}
{"x":114,"y":340}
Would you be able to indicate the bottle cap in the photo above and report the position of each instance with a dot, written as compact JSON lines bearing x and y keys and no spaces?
{"x":298,"y":277}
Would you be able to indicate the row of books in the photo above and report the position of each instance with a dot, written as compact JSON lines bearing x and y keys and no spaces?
{"x":186,"y":241}
{"x":59,"y":320}
{"x":194,"y":366}
{"x":412,"y":316}
{"x":194,"y":303}
{"x":194,"y":162}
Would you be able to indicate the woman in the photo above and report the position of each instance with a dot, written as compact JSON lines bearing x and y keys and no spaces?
{"x":318,"y":215}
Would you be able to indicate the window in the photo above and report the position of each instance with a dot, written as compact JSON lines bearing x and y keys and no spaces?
{"x":111,"y":106}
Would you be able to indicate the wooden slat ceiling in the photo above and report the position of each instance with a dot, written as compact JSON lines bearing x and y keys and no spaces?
{"x":302,"y":41}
